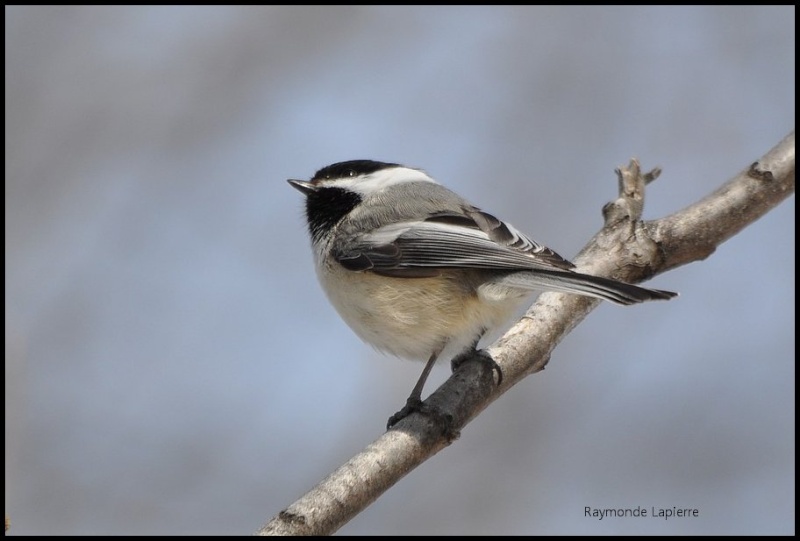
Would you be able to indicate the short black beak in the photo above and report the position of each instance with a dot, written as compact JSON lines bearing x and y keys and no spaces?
{"x":305,"y":187}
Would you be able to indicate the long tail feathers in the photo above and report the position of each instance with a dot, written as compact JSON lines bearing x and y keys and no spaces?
{"x":584,"y":284}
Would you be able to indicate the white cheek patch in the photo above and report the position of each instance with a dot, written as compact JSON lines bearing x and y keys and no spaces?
{"x":377,"y":181}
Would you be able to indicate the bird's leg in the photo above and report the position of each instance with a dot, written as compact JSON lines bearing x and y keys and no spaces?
{"x":467,"y":354}
{"x":472,"y":352}
{"x":414,"y":402}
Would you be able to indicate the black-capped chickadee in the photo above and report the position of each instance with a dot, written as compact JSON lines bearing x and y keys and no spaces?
{"x":418,"y":272}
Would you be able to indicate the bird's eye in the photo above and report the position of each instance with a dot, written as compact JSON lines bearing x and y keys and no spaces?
{"x":351,"y":173}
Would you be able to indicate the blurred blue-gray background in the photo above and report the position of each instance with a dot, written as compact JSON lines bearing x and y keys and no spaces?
{"x":172,"y":366}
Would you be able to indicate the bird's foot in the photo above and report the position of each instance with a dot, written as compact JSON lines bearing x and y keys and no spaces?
{"x":413,"y":404}
{"x":480,"y":356}
{"x":443,"y":421}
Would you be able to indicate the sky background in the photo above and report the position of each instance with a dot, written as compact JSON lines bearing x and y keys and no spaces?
{"x":173,"y":367}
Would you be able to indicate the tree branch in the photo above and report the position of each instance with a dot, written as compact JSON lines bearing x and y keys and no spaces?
{"x":694,"y":233}
{"x":627,"y":249}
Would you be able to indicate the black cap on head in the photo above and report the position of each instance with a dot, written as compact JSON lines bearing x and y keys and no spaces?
{"x":351,"y":168}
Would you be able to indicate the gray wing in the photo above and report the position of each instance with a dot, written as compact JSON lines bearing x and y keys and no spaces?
{"x":475,"y":240}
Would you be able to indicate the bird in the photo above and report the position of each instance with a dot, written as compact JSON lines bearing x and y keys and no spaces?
{"x":418,"y":272}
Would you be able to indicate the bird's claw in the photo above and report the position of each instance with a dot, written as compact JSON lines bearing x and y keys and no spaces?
{"x":480,"y":356}
{"x":413,"y":404}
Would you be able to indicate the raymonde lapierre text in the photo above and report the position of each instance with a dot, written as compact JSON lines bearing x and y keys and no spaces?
{"x":664,"y":513}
